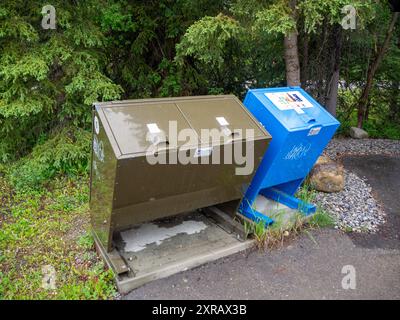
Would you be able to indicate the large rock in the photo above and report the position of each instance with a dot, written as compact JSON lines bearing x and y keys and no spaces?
{"x":358,"y":133}
{"x":327,"y":175}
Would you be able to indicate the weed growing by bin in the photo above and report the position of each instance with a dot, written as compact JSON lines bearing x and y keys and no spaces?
{"x":275,"y":234}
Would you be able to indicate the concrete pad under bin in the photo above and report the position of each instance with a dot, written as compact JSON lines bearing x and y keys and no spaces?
{"x":279,"y":212}
{"x":162,"y":248}
{"x":171,"y":245}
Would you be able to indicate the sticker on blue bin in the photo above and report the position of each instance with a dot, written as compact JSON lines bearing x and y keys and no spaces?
{"x":314,"y":131}
{"x":292,"y":100}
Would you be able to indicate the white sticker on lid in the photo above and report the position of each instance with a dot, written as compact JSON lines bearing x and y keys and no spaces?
{"x":222,"y":121}
{"x":290,"y":100}
{"x":203,"y":152}
{"x":153,"y":128}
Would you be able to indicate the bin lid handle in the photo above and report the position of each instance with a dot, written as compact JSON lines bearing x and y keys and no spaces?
{"x":307,"y":119}
{"x":229,"y":133}
{"x":166,"y":141}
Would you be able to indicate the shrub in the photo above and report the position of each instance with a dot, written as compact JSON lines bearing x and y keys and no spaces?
{"x":66,"y":152}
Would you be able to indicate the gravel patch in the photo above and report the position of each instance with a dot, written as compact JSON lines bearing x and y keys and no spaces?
{"x":354,"y":208}
{"x":339,"y":147}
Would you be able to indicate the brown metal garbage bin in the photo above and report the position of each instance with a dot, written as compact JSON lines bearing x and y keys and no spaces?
{"x":135,"y":175}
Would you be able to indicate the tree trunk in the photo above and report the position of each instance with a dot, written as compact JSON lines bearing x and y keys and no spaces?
{"x":394,"y":101}
{"x":333,"y":93}
{"x":394,"y":111}
{"x":304,"y":65}
{"x":292,"y":52}
{"x":292,"y":60}
{"x":362,"y":102}
{"x":331,"y":102}
{"x":366,"y":114}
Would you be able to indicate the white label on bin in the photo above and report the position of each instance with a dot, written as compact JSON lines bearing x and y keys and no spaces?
{"x":314,"y":131}
{"x":298,"y":110}
{"x":292,"y":100}
{"x":222,"y":121}
{"x":96,"y":125}
{"x":203,"y":152}
{"x":153,"y":128}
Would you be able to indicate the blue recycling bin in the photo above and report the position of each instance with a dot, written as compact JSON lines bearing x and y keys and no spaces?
{"x":300,"y":129}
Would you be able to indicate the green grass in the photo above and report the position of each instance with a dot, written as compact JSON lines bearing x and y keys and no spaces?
{"x":376,"y":126}
{"x":306,"y":193}
{"x":50,"y":227}
{"x":275,"y":234}
{"x":382,"y":129}
{"x":321,"y":219}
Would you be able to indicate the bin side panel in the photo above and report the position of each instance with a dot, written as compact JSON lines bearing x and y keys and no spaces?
{"x":145,"y":192}
{"x":279,"y":135}
{"x":296,"y":156}
{"x":103,"y":168}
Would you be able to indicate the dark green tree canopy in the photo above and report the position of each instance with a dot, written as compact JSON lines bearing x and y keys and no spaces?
{"x":110,"y":49}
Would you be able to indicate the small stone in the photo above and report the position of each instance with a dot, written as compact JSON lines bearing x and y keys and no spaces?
{"x":49,"y":277}
{"x":358,"y":133}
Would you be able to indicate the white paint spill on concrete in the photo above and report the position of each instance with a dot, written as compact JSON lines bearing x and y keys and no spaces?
{"x":137,"y":239}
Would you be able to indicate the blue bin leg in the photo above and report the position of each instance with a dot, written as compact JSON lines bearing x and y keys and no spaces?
{"x":288,"y":200}
{"x":254,"y":215}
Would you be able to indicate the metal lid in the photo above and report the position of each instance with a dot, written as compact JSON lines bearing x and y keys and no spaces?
{"x":137,"y":126}
{"x":224,"y":117}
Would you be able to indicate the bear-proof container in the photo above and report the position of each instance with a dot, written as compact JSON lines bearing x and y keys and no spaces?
{"x":300,"y":128}
{"x":150,"y":159}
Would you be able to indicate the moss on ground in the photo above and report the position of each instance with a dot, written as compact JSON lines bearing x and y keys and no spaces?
{"x":50,"y":227}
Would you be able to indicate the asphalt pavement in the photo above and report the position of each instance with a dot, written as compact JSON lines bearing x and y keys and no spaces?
{"x":309,"y":266}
